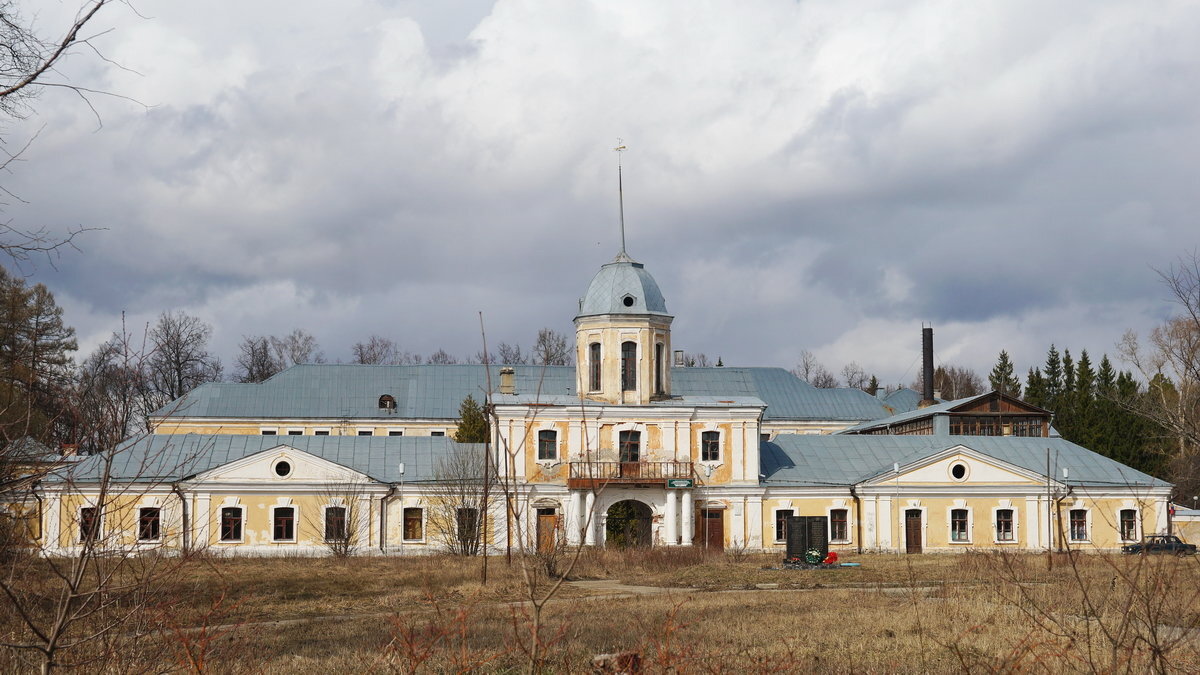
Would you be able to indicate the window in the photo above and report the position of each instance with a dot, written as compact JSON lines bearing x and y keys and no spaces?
{"x":628,"y":366}
{"x":1004,"y":525}
{"x":366,"y":432}
{"x":89,"y":523}
{"x":321,"y":432}
{"x":658,"y":368}
{"x":295,"y":432}
{"x":231,"y":523}
{"x":1079,"y":530}
{"x":958,"y":471}
{"x":1128,"y":518}
{"x":268,"y":432}
{"x":149,"y":524}
{"x":958,"y":525}
{"x":468,"y":525}
{"x":765,"y":438}
{"x":437,"y":433}
{"x":387,"y":402}
{"x":283,"y":468}
{"x":630,"y":446}
{"x":547,"y":444}
{"x":284,"y":526}
{"x":335,"y":524}
{"x":710,"y":446}
{"x":594,"y":366}
{"x":395,"y":432}
{"x":414,"y":526}
{"x":838,"y":525}
{"x":781,"y":520}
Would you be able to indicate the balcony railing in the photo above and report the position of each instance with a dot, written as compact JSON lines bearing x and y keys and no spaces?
{"x":585,"y":474}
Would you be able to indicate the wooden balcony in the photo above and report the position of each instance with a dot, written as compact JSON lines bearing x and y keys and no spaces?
{"x":597,"y":474}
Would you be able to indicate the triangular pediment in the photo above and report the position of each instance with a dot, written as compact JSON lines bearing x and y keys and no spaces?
{"x":267,"y":467}
{"x":959,"y":465}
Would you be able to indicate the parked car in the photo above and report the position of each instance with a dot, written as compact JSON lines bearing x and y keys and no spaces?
{"x":1161,"y":543}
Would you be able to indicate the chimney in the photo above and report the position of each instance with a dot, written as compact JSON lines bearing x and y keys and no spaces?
{"x":926,"y":367}
{"x":508,"y":380}
{"x":678,"y":358}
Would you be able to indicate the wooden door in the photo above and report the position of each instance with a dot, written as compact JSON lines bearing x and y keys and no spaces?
{"x":912,"y":530}
{"x":710,"y":529}
{"x":547,"y":530}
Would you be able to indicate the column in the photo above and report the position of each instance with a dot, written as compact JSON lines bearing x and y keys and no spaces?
{"x":688,"y":512}
{"x":671,"y":535}
{"x":589,"y":517}
{"x":573,"y":518}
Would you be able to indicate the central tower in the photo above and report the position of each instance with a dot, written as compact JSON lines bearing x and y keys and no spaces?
{"x":623,"y":336}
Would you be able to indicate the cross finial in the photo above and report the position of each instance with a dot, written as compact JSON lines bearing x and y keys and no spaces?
{"x":621,"y":192}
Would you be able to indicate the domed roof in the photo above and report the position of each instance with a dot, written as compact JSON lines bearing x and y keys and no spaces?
{"x":623,"y":286}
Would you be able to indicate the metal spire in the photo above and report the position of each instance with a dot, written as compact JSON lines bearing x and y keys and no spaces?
{"x":621,"y":197}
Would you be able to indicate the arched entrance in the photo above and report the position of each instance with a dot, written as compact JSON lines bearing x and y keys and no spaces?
{"x":627,"y":525}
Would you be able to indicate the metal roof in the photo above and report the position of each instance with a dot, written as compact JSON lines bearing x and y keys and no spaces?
{"x":330,"y":391}
{"x":619,"y":282}
{"x":900,"y":418}
{"x":901,"y":400}
{"x":850,"y":459}
{"x":172,"y":457}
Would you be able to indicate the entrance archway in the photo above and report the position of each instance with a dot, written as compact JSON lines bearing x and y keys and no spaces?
{"x":628,"y":525}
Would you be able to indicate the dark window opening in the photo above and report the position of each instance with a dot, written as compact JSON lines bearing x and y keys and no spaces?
{"x":958,"y":525}
{"x":335,"y":524}
{"x":283,"y":469}
{"x":396,"y":432}
{"x":231,"y":524}
{"x":628,"y":366}
{"x":284,"y":528}
{"x":658,"y":368}
{"x":627,"y":301}
{"x":295,"y":432}
{"x":437,"y":433}
{"x":781,"y":518}
{"x":89,"y":523}
{"x":959,"y":471}
{"x":594,"y":366}
{"x":710,"y":446}
{"x":387,"y":402}
{"x":1128,"y":524}
{"x":630,"y":446}
{"x":149,"y":524}
{"x":268,"y":432}
{"x":365,"y":432}
{"x":413,"y":524}
{"x":468,"y":527}
{"x":1004,"y":525}
{"x":547,"y":444}
{"x":1078,"y":519}
{"x":321,"y":432}
{"x":838,"y":525}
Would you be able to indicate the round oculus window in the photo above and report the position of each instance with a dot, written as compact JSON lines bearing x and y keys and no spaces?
{"x":627,"y":301}
{"x":283,"y":468}
{"x":958,"y":471}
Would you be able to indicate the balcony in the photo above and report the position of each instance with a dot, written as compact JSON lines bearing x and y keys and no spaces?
{"x":597,"y":474}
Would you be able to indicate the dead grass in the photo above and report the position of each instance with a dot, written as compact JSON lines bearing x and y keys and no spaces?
{"x":933,"y":613}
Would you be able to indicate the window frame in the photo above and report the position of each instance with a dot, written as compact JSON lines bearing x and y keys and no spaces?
{"x":629,"y":365}
{"x":1086,"y":531}
{"x":626,"y":439}
{"x":295,"y":431}
{"x":962,"y":536}
{"x":241,"y":524}
{"x":706,"y":440}
{"x":156,"y":524}
{"x":544,"y":443}
{"x":845,"y":524}
{"x":268,"y":431}
{"x":1012,"y":525}
{"x":437,"y":433}
{"x":781,"y":523}
{"x":94,"y":528}
{"x":346,"y":534}
{"x":323,"y":431}
{"x":364,"y":431}
{"x":404,"y":519}
{"x":595,"y":381}
{"x":275,"y":524}
{"x":395,"y":432}
{"x":659,"y":374}
{"x":1133,"y":521}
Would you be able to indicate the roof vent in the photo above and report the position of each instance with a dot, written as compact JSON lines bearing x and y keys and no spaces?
{"x":508,"y":378}
{"x":387,"y":402}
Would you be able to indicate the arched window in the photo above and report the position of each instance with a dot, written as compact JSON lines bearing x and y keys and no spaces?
{"x":387,"y":402}
{"x":594,"y":366}
{"x":628,"y":366}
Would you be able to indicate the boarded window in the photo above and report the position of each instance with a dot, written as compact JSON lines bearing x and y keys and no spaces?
{"x":414,"y":528}
{"x":594,"y":366}
{"x":628,"y":366}
{"x":335,"y":524}
{"x":710,"y":446}
{"x":781,"y":517}
{"x":231,"y":523}
{"x":89,"y":523}
{"x":630,"y":446}
{"x":547,"y":444}
{"x":838,"y":525}
{"x":149,"y":524}
{"x":284,"y":526}
{"x":958,"y":525}
{"x":1079,"y":530}
{"x":1128,"y":524}
{"x":1004,"y":525}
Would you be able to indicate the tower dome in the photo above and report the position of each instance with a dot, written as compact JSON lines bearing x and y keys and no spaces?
{"x":622,"y":286}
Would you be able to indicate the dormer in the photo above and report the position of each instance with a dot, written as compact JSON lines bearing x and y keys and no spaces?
{"x":623,"y":336}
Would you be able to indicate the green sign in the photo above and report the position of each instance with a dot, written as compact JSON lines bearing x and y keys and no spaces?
{"x":680,"y":482}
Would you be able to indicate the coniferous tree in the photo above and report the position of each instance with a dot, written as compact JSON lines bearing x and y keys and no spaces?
{"x":1002,"y":378}
{"x":1035,"y":388}
{"x":1053,"y":379}
{"x":472,"y":424}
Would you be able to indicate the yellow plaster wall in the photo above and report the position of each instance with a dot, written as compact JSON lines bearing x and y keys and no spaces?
{"x":257,"y":524}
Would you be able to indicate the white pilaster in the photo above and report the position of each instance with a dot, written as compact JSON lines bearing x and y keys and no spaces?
{"x":53,"y":520}
{"x":870,"y":519}
{"x":671,"y":531}
{"x":589,"y":517}
{"x":1032,"y":531}
{"x":1160,"y":516}
{"x":199,"y":519}
{"x":574,"y":518}
{"x":364,"y":521}
{"x":885,"y":524}
{"x":687,"y":526}
{"x":738,"y":527}
{"x":754,"y":523}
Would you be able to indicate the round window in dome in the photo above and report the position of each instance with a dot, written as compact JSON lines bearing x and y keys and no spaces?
{"x":958,"y":471}
{"x":283,"y":468}
{"x":627,"y":301}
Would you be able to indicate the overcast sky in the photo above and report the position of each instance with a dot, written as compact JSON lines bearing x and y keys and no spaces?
{"x":801,"y":175}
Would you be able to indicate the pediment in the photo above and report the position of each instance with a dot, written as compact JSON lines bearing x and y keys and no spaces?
{"x":959,"y":465}
{"x":265,"y":467}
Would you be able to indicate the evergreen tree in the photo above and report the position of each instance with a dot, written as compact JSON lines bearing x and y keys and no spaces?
{"x":1106,"y":378}
{"x":1035,"y":388}
{"x":1002,"y":378}
{"x":472,"y":424}
{"x":873,"y":385}
{"x":1053,"y":379}
{"x":1068,"y":366}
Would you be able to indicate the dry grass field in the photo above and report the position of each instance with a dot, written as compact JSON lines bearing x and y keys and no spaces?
{"x":931,"y":613}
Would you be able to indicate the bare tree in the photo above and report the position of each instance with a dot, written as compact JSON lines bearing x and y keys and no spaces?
{"x":339,"y":520}
{"x":180,"y":361}
{"x":550,"y":349}
{"x":854,"y":375}
{"x":511,"y":355}
{"x":255,"y":360}
{"x":442,"y":357}
{"x":457,"y":500}
{"x":811,"y":371}
{"x":296,"y":347}
{"x":375,"y":351}
{"x":697,"y":360}
{"x":953,"y":382}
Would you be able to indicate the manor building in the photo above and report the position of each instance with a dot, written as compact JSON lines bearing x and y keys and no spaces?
{"x":626,"y":447}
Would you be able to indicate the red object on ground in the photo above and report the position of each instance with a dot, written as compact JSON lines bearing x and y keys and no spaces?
{"x":831,"y":558}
